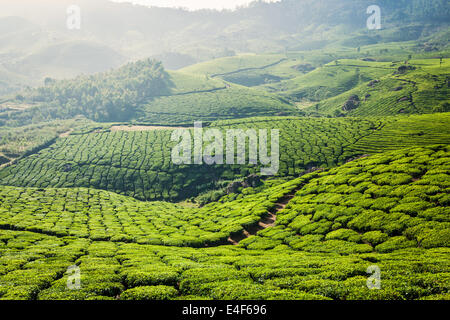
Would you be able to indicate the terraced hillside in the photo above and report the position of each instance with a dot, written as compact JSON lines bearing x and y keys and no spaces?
{"x":383,"y":203}
{"x":145,"y":92}
{"x":100,"y":215}
{"x":420,"y":86}
{"x":233,"y":65}
{"x":371,"y":81}
{"x":388,"y":211}
{"x":138,"y":163}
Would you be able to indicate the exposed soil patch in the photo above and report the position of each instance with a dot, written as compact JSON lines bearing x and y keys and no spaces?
{"x":66,"y":134}
{"x":269,"y":220}
{"x":17,"y":106}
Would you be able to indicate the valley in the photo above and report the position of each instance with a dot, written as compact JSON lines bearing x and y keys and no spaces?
{"x":88,"y":179}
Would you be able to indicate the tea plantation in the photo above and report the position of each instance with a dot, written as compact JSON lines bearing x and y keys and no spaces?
{"x":388,"y":210}
{"x":100,"y":215}
{"x":143,"y":91}
{"x":87,"y":178}
{"x":383,"y":203}
{"x":138,"y":163}
{"x":420,"y":86}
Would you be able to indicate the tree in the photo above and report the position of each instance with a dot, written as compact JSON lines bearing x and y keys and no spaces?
{"x":109,"y":96}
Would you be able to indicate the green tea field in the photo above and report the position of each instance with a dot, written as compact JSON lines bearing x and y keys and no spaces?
{"x":389,"y":210}
{"x":183,"y":151}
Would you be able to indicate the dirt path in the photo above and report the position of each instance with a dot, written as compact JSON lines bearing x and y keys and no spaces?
{"x":66,"y":134}
{"x":268,"y":221}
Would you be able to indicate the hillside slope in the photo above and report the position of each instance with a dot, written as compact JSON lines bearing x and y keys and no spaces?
{"x":388,"y":211}
{"x":138,"y":163}
{"x":145,"y":92}
{"x":382,"y":203}
{"x":420,"y":86}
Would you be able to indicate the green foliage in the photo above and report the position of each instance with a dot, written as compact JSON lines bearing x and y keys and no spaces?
{"x":111,"y":96}
{"x":395,"y":243}
{"x":149,"y":293}
{"x":374,"y":237}
{"x":382,"y":203}
{"x":423,"y":89}
{"x":139,"y":164}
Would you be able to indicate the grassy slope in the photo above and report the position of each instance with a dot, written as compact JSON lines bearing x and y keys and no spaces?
{"x":189,"y":97}
{"x":200,"y":97}
{"x":231,"y":64}
{"x":331,"y":79}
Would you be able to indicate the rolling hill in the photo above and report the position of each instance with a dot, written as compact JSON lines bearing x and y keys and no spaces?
{"x":388,"y":209}
{"x":138,"y":163}
{"x":89,"y":184}
{"x":145,"y":92}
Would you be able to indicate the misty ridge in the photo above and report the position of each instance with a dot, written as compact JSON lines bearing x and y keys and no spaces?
{"x":35,"y":42}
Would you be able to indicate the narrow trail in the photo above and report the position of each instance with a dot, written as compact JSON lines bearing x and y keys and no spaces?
{"x":65,"y":134}
{"x":268,"y":221}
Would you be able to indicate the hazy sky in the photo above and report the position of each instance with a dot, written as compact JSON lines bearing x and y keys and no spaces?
{"x":194,"y":4}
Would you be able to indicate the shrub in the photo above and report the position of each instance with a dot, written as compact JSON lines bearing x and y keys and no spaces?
{"x":375,"y":237}
{"x":395,"y":243}
{"x":136,"y":278}
{"x":344,"y":234}
{"x":149,"y":293}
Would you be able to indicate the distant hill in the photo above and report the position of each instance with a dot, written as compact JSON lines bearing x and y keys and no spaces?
{"x":29,"y":53}
{"x":69,"y":59}
{"x":145,"y":92}
{"x":181,"y":38}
